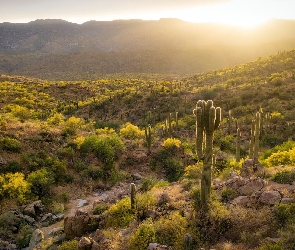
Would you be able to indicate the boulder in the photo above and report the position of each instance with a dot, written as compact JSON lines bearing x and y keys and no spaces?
{"x":253,"y":185}
{"x":243,"y":201}
{"x":34,"y":209}
{"x":250,"y":167}
{"x":85,"y":243}
{"x":270,"y":198}
{"x":76,"y":226}
{"x":36,"y":239}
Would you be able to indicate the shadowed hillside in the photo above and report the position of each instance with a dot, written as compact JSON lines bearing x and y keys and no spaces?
{"x":56,"y":49}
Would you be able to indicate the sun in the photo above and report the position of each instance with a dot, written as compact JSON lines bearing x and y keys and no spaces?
{"x":237,"y":13}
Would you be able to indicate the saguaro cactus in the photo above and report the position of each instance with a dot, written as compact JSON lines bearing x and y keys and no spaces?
{"x":148,"y":138}
{"x":207,"y":121}
{"x":132,"y":195}
{"x":255,"y":133}
{"x":256,"y":140}
{"x":238,"y":146}
{"x":188,"y":242}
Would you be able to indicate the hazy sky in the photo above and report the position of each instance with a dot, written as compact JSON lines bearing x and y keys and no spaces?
{"x":240,"y":12}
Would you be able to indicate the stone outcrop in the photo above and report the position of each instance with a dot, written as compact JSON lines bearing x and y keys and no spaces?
{"x":250,"y":167}
{"x":76,"y":226}
{"x":36,"y":239}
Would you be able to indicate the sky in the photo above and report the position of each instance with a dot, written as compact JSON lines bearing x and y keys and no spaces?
{"x":235,"y":12}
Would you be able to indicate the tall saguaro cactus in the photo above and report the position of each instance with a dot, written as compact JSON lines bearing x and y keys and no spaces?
{"x":238,"y":146}
{"x":207,"y":121}
{"x":255,"y":133}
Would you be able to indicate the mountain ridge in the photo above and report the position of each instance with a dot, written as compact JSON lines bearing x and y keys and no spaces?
{"x":190,"y":47}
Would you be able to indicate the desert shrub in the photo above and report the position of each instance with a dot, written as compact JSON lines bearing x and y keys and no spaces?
{"x":250,"y":225}
{"x":105,"y":148}
{"x":287,"y":236}
{"x":69,"y":245}
{"x":94,"y":173}
{"x":286,"y":146}
{"x":100,"y":124}
{"x":11,"y":167}
{"x":171,"y":143}
{"x":270,"y":246}
{"x":144,"y":235}
{"x":56,"y":119}
{"x":105,"y":131}
{"x":24,"y":236}
{"x":100,"y":208}
{"x":165,"y":159}
{"x":279,"y":158}
{"x":10,"y":144}
{"x":283,"y":213}
{"x":270,"y":141}
{"x":72,"y":125}
{"x":14,"y":186}
{"x":171,"y":230}
{"x":193,"y":171}
{"x":144,"y":202}
{"x":147,"y":184}
{"x":284,"y":177}
{"x":40,"y":182}
{"x":119,"y":214}
{"x":228,"y":194}
{"x":131,"y":132}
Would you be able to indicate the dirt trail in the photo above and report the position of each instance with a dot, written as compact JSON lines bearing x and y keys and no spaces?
{"x":87,"y":203}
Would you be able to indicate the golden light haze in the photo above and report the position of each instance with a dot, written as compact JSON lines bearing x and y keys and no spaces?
{"x":247,"y":13}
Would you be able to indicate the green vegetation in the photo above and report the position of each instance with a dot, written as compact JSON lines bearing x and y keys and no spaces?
{"x":65,"y":138}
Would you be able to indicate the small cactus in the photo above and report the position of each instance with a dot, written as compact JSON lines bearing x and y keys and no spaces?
{"x":188,"y":242}
{"x":132,"y":195}
{"x":148,"y":138}
{"x":238,"y":146}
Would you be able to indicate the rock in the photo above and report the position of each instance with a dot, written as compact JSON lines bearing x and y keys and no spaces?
{"x":270,"y":197}
{"x":36,"y":239}
{"x":251,"y":186}
{"x":57,"y":217}
{"x":46,"y":219}
{"x":152,"y":246}
{"x":85,"y":243}
{"x":287,"y":200}
{"x":76,"y":226}
{"x":156,"y":246}
{"x":95,"y":246}
{"x":233,"y":174}
{"x":82,"y":203}
{"x":271,"y":240}
{"x":251,"y":167}
{"x":34,"y":209}
{"x":29,"y":219}
{"x":136,"y":176}
{"x":241,"y":201}
{"x":55,"y":231}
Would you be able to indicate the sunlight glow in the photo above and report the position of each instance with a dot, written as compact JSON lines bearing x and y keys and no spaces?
{"x":237,"y":13}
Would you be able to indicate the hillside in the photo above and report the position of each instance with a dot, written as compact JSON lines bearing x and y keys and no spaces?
{"x":56,"y":49}
{"x":64,"y":142}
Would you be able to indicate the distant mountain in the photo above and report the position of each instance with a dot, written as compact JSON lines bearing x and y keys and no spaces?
{"x":60,"y":49}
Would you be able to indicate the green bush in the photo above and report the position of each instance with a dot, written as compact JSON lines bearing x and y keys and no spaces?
{"x":286,"y":146}
{"x":69,"y":245}
{"x":193,"y":171}
{"x":228,"y":194}
{"x":171,"y":230}
{"x":11,"y":167}
{"x":94,"y":173}
{"x":270,"y":246}
{"x":144,"y":202}
{"x":287,"y":236}
{"x":41,"y":182}
{"x":283,"y":213}
{"x":144,"y":235}
{"x":119,"y":214}
{"x":131,"y":132}
{"x":284,"y":177}
{"x":24,"y":236}
{"x":10,"y":144}
{"x":100,"y":208}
